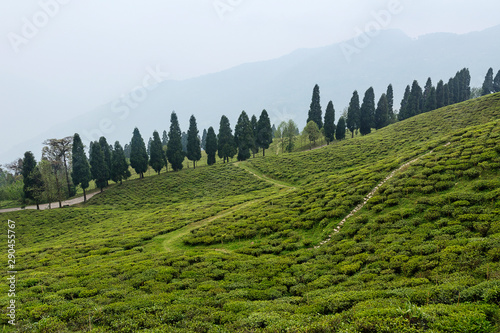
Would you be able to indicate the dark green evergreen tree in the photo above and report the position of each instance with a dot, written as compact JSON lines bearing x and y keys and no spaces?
{"x":390,"y":101}
{"x":255,"y":131}
{"x":157,"y":159}
{"x":427,"y":91}
{"x":32,"y":179}
{"x":193,"y":142}
{"x":431,"y":100}
{"x":243,"y":136}
{"x":273,"y":130}
{"x":440,"y":94}
{"x":403,"y":110}
{"x":211,"y":147}
{"x":367,"y":112}
{"x":382,"y":112}
{"x":415,"y":101}
{"x":226,"y":146}
{"x":464,"y":85}
{"x":496,"y":83}
{"x":175,"y":153}
{"x":340,"y":130}
{"x":107,"y":157}
{"x":315,"y":113}
{"x":204,"y":140}
{"x":138,"y":154}
{"x":98,"y":165}
{"x":329,"y":125}
{"x":488,"y":82}
{"x":119,"y":165}
{"x":353,"y":114}
{"x":81,"y":168}
{"x":264,"y":132}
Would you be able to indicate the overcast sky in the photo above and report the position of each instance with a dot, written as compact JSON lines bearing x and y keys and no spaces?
{"x":61,"y":58}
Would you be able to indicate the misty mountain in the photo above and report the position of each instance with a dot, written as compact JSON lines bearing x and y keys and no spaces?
{"x":284,"y":86}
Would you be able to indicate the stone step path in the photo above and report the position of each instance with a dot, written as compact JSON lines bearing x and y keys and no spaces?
{"x":369,"y":196}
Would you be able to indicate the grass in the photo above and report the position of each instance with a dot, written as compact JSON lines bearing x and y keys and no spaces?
{"x":231,"y":248}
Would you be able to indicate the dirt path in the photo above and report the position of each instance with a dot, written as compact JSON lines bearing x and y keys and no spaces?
{"x":174,"y":239}
{"x":369,"y":196}
{"x":54,"y":205}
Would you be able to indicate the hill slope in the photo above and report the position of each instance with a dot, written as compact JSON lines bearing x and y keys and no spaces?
{"x":229,"y":249}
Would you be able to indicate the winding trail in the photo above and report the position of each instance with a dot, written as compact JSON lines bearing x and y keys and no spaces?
{"x":53,"y":205}
{"x":370,"y":195}
{"x":173,"y":239}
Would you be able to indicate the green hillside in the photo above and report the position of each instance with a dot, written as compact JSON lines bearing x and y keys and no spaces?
{"x":264,"y":246}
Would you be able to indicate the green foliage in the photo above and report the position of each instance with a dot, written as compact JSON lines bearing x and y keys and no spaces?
{"x":138,"y":154}
{"x":353,"y":114}
{"x":367,"y":112}
{"x":193,"y":144}
{"x":329,"y":124}
{"x":119,"y":165}
{"x":175,"y":153}
{"x":315,"y":112}
{"x":81,"y":174}
{"x":231,"y":248}
{"x":98,"y":166}
{"x":211,"y":146}
{"x":226,"y":146}
{"x":156,"y":155}
{"x":243,"y":136}
{"x":264,"y":132}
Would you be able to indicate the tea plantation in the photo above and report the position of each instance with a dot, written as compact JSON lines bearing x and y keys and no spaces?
{"x":259,"y":246}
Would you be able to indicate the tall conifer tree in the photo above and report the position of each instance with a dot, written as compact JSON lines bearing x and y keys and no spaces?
{"x":226,"y":146}
{"x":98,"y":165}
{"x":193,"y":144}
{"x":243,"y":136}
{"x":264,"y":132}
{"x":138,"y":154}
{"x":488,"y":82}
{"x":211,"y":147}
{"x":81,"y":174}
{"x":315,"y":113}
{"x":382,"y":112}
{"x":367,"y":112}
{"x":353,"y":113}
{"x":175,"y":153}
{"x":119,"y":165}
{"x":157,"y":159}
{"x":329,"y":125}
{"x":340,"y":130}
{"x":496,"y":83}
